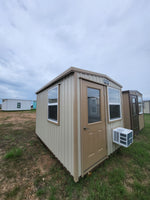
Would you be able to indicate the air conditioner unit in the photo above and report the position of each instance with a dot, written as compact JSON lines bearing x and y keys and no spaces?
{"x":123,"y":136}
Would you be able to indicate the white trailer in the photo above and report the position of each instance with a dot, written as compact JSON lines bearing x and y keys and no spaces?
{"x":15,"y":104}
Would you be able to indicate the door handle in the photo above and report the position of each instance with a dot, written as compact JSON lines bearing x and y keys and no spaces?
{"x":85,"y":128}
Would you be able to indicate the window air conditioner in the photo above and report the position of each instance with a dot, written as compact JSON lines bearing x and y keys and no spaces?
{"x":123,"y":136}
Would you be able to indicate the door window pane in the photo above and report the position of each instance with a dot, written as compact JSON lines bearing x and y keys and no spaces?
{"x":133,"y":100}
{"x":134,"y":111}
{"x":93,"y":105}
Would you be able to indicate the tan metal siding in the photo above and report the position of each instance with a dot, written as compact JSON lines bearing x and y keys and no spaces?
{"x":126,"y":111}
{"x":97,"y":79}
{"x":110,"y":125}
{"x":59,"y":139}
{"x":112,"y":146}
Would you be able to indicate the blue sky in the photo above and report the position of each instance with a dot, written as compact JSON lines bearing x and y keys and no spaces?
{"x":41,"y":39}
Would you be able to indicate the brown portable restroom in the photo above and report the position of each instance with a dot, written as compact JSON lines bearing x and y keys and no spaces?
{"x":75,"y":117}
{"x":133,"y":110}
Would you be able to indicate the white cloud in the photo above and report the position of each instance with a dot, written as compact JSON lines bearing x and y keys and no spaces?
{"x":40,"y":39}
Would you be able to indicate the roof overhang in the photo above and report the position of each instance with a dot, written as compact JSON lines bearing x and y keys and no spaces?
{"x":73,"y":70}
{"x":132,"y":92}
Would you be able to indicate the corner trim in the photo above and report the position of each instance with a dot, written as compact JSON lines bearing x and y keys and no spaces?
{"x":76,"y":174}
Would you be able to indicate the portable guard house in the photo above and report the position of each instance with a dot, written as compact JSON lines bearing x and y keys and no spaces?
{"x":133,"y":110}
{"x":75,"y":117}
{"x":147,"y":107}
{"x":15,"y":104}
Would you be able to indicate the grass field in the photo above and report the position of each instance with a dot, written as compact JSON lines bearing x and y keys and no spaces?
{"x":29,"y":171}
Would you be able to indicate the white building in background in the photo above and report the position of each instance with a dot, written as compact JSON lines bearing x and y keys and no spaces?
{"x":147,"y":107}
{"x":16,"y":104}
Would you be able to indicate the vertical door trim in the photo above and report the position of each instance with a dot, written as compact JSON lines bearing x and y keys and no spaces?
{"x":75,"y":124}
{"x":131,"y":110}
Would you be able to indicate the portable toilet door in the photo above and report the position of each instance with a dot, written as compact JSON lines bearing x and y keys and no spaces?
{"x":134,"y":113}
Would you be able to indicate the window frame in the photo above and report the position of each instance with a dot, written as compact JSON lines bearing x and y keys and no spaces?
{"x":140,"y":104}
{"x":99,"y":105}
{"x":56,"y":122}
{"x":118,"y":118}
{"x":18,"y":105}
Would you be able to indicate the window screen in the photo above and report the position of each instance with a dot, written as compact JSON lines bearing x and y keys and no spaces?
{"x":114,"y":111}
{"x":53,"y":104}
{"x":52,"y":112}
{"x":114,"y":102}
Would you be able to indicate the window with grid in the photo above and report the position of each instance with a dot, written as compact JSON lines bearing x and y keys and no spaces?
{"x":140,"y":104}
{"x":53,"y":104}
{"x":114,"y":102}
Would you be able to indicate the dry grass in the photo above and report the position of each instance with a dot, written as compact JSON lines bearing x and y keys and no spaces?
{"x":17,"y":131}
{"x":28,"y":170}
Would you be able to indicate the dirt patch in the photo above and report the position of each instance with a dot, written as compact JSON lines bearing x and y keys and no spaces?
{"x":16,"y":118}
{"x":44,"y":163}
{"x":128,"y":184}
